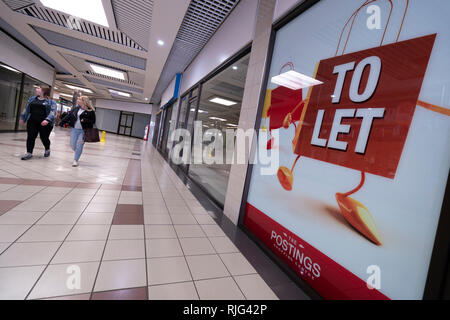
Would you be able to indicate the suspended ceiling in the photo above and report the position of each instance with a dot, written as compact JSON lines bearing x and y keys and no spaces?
{"x":129,"y":44}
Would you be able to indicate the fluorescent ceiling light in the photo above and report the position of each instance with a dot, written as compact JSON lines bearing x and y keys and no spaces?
{"x":113,"y":73}
{"x":232,"y":125}
{"x":160,"y":42}
{"x":90,"y":10}
{"x":78,"y":88}
{"x":66,"y":95}
{"x":119,"y":93}
{"x":222,"y":101}
{"x":215,"y":118}
{"x":295,"y":80}
{"x":9,"y":68}
{"x":202,"y":111}
{"x":235,"y":67}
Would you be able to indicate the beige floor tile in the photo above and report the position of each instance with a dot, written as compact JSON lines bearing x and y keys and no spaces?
{"x":96,"y":218}
{"x":204,"y":219}
{"x":159,"y":248}
{"x":15,"y":283}
{"x":167,"y":270}
{"x":101,"y":207}
{"x":254,"y":287}
{"x":183,"y":219}
{"x":68,"y":218}
{"x":189,"y":231}
{"x":39,"y":233}
{"x":122,"y":232}
{"x":61,"y":279}
{"x":179,"y":210}
{"x":173,"y":291}
{"x":157,"y":219}
{"x":3,"y":246}
{"x":223,"y":245}
{"x":124,"y":249}
{"x":18,"y":217}
{"x":237,"y":264}
{"x":79,"y":251}
{"x":89,"y":232}
{"x":206,"y":267}
{"x":155,"y":210}
{"x":32,"y":206}
{"x":115,"y":275}
{"x":28,"y":254}
{"x":219,"y":289}
{"x":18,"y":196}
{"x":213,"y":231}
{"x":196,"y":246}
{"x":69,"y":207}
{"x":160,"y":232}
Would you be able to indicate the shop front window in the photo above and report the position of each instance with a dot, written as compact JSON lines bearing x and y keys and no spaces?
{"x":10,"y":80}
{"x":219,"y":108}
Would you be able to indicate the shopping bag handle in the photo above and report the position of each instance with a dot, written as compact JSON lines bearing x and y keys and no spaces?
{"x":287,"y":64}
{"x":353,"y":18}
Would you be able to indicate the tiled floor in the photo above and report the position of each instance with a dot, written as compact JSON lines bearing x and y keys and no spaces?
{"x":119,"y":226}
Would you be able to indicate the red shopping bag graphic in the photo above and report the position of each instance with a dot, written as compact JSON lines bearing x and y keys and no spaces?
{"x":283,"y":101}
{"x":360,"y":116}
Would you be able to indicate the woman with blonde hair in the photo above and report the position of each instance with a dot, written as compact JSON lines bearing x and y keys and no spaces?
{"x":80,"y":118}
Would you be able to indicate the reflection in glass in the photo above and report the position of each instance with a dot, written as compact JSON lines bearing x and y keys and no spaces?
{"x":29,"y":90}
{"x":9,"y":93}
{"x":226,"y":90}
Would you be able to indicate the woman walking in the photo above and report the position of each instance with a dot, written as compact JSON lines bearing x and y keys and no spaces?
{"x":80,"y":118}
{"x":39,"y":115}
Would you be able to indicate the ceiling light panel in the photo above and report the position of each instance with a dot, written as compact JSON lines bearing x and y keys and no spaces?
{"x":222,"y":101}
{"x":119,"y":93}
{"x":295,"y":80}
{"x":219,"y":119}
{"x":78,"y":88}
{"x":90,"y":10}
{"x":113,"y":73}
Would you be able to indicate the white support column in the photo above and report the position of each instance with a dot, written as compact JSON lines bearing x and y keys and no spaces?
{"x":252,"y":90}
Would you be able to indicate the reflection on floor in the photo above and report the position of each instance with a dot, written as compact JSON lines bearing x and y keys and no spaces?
{"x":122,"y":225}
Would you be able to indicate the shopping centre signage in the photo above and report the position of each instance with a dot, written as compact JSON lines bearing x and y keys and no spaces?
{"x":364,"y":155}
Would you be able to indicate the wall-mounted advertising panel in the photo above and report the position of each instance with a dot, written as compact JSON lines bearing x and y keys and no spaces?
{"x":359,"y":92}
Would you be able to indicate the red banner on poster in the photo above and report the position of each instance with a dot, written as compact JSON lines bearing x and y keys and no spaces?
{"x":360,"y":116}
{"x":327,"y":277}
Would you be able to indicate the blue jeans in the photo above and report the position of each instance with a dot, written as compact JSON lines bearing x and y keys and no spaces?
{"x":77,"y":142}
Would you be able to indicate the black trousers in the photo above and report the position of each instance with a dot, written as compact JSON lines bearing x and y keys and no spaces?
{"x":35,"y":128}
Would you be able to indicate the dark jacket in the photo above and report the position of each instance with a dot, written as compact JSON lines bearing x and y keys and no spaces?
{"x":50,"y":109}
{"x":87,"y":118}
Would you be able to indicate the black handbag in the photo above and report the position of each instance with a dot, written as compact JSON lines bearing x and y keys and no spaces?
{"x":91,"y":135}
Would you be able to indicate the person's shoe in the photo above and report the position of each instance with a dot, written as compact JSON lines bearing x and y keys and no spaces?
{"x":47,"y":153}
{"x":75,"y":163}
{"x":27,"y":156}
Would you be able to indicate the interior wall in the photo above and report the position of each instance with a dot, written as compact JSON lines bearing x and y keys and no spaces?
{"x":124,"y":106}
{"x":19,"y":57}
{"x":169,"y":92}
{"x":107,"y":120}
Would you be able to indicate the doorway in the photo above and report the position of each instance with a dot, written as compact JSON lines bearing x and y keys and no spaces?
{"x":126,"y":123}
